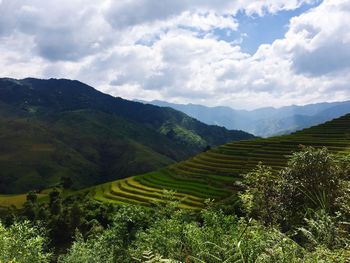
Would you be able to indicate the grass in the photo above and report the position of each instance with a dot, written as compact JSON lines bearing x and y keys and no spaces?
{"x":213,"y":174}
{"x":124,"y":191}
{"x":16,"y":200}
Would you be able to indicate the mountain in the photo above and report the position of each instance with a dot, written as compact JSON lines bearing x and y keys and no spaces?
{"x":216,"y":173}
{"x":264,"y":122}
{"x":63,"y":130}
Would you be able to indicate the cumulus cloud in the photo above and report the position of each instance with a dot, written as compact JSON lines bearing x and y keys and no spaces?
{"x":128,"y":13}
{"x":150,"y":49}
{"x":321,"y":39}
{"x":61,"y":30}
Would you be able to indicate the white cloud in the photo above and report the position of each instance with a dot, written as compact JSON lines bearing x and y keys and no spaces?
{"x":206,"y":21}
{"x":320,"y":40}
{"x":150,"y":49}
{"x":126,"y":13}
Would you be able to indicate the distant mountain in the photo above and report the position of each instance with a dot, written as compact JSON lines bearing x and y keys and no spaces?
{"x":264,"y":122}
{"x":62,"y":130}
{"x":217,"y":173}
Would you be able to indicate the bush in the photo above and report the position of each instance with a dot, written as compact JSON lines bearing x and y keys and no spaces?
{"x":322,"y":229}
{"x":261,"y":199}
{"x":313,"y":179}
{"x":23,"y":243}
{"x":110,"y":245}
{"x":215,"y":238}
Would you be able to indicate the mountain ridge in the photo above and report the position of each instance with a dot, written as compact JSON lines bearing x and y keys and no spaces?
{"x":51,"y":129}
{"x":266,"y":121}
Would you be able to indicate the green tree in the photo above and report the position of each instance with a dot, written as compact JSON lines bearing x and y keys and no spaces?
{"x":110,"y":245}
{"x":66,"y":182}
{"x":32,"y":197}
{"x":312,"y":179}
{"x":30,"y":207}
{"x":55,"y":202}
{"x":23,"y":243}
{"x":262,"y":196}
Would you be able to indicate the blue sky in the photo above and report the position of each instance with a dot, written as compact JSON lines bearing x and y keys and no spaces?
{"x":264,"y":29}
{"x":243,"y":54}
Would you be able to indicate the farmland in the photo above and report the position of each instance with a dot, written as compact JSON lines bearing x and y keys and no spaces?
{"x":216,"y":173}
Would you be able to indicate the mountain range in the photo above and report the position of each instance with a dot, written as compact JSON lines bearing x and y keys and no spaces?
{"x":263,"y":122}
{"x":218,"y":173}
{"x":63,"y":131}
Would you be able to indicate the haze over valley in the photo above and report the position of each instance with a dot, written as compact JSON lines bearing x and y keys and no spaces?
{"x":263,"y":122}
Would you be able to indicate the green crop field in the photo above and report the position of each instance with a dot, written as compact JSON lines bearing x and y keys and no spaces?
{"x":214,"y":174}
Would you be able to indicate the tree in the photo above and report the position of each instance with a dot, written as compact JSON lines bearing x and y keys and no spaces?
{"x":110,"y":245}
{"x":262,"y":196}
{"x":32,"y":197}
{"x":66,"y":182}
{"x":23,"y":243}
{"x":75,"y":216}
{"x":55,"y":202}
{"x":311,"y":180}
{"x":30,"y":207}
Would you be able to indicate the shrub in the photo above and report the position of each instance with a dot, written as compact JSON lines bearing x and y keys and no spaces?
{"x":313,"y":179}
{"x":23,"y":243}
{"x":110,"y":245}
{"x":261,"y":199}
{"x":322,"y":229}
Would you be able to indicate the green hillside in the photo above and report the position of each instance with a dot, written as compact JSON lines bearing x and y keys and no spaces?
{"x":51,"y":130}
{"x":214,"y":174}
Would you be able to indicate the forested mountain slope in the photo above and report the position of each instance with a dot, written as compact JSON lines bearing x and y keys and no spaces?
{"x":51,"y":130}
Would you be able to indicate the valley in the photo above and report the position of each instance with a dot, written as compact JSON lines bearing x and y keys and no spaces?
{"x":53,"y":131}
{"x":216,"y":173}
{"x":174,"y":131}
{"x":263,"y":122}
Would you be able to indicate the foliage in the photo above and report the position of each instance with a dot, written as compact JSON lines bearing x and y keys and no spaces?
{"x":313,"y":179}
{"x":310,"y":196}
{"x":218,"y":238}
{"x":23,"y":243}
{"x":300,"y":214}
{"x":262,"y":199}
{"x":111,"y":244}
{"x":99,"y":249}
{"x":321,"y":229}
{"x":165,"y":233}
{"x":324,"y":255}
{"x":63,"y":216}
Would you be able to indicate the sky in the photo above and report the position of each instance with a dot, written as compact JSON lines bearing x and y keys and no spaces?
{"x":244,"y":54}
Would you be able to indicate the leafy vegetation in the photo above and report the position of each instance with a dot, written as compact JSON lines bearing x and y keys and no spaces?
{"x":267,"y":200}
{"x":268,"y":228}
{"x":22,"y":242}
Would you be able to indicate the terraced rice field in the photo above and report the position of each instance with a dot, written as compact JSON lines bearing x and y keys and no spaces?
{"x":16,"y":200}
{"x":213,"y":174}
